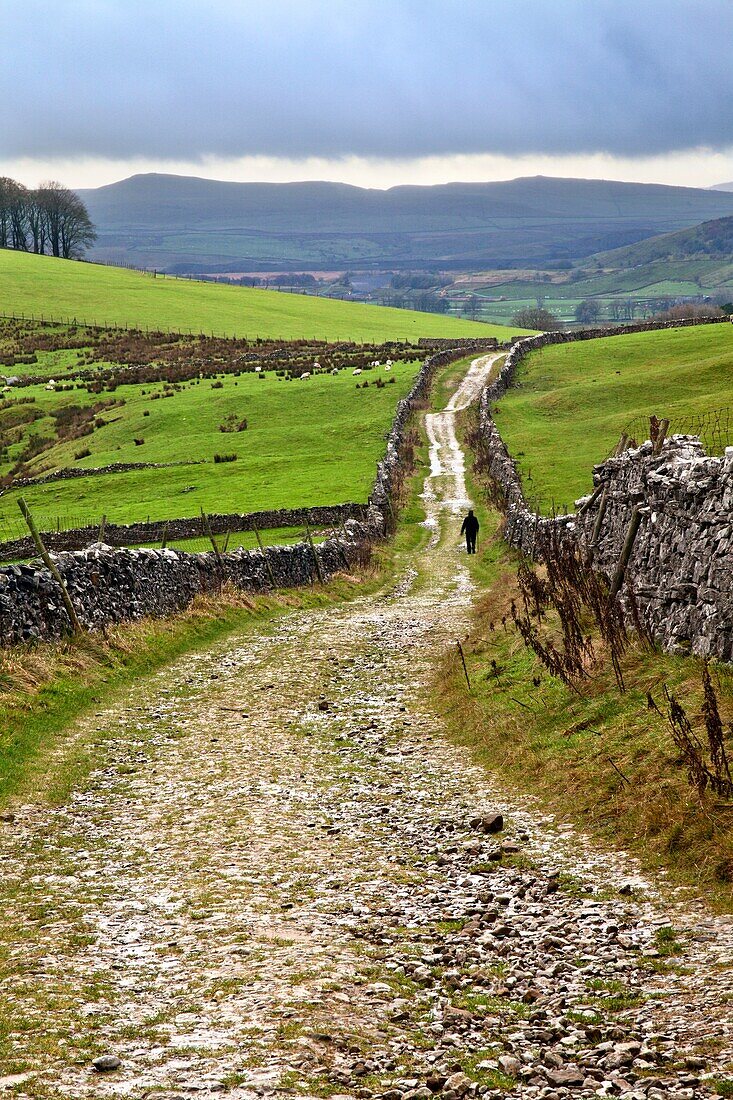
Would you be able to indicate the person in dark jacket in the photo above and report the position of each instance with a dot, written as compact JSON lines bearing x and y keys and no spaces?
{"x":470,"y":529}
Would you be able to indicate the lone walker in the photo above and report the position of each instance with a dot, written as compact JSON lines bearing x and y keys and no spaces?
{"x":470,"y":529}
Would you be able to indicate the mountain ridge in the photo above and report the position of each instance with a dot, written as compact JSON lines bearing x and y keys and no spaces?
{"x":169,"y":221}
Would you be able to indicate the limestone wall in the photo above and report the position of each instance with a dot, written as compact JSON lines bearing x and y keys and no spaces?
{"x":681,"y":568}
{"x":133,"y":534}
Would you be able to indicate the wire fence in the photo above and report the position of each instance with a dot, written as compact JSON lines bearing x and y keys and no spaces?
{"x":11,"y":529}
{"x":157,"y":533}
{"x":713,"y":426}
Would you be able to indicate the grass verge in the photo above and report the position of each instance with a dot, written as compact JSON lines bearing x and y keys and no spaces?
{"x":595,"y":756}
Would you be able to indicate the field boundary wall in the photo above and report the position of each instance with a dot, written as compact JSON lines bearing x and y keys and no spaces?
{"x":680,"y":572}
{"x":109,"y":585}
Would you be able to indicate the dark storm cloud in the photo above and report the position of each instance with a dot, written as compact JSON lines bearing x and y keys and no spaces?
{"x":182,"y":79}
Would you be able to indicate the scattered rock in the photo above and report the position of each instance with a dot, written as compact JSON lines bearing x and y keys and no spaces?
{"x":567,"y":1076}
{"x":509,"y":1065}
{"x":488,"y":822}
{"x":105,"y":1063}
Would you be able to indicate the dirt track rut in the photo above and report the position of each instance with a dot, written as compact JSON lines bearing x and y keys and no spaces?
{"x":279,"y":882}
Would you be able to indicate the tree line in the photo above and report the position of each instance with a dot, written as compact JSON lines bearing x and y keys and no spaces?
{"x":49,"y":220}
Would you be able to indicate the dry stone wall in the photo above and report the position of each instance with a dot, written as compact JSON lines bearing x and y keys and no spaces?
{"x":681,"y":568}
{"x":109,"y":585}
{"x":133,"y":534}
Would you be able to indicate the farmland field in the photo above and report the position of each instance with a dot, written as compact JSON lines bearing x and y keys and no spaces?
{"x":572,"y":401}
{"x":41,"y":286}
{"x":649,"y":286}
{"x":235,"y":426}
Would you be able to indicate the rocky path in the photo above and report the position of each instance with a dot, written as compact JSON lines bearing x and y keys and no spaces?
{"x":285,"y":880}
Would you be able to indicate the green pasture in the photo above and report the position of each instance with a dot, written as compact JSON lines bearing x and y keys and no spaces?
{"x":307,"y":443}
{"x":571,"y":402}
{"x":60,"y":289}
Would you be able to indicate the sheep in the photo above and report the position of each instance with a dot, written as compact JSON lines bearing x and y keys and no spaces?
{"x":304,"y":375}
{"x":316,"y":366}
{"x":258,"y":368}
{"x":335,"y":370}
{"x":388,"y":366}
{"x":51,"y":384}
{"x":355,"y":371}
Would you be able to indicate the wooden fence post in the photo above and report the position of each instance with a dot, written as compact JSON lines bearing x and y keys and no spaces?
{"x":263,"y":551}
{"x":600,"y":517}
{"x":663,"y":429}
{"x":463,"y":661}
{"x":212,"y":540}
{"x":623,"y":561}
{"x":319,"y":574}
{"x":50,"y":565}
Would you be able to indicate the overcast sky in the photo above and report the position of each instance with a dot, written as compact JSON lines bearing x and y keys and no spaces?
{"x":375,"y":92}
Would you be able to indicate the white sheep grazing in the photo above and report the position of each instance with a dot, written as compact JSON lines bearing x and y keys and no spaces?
{"x":258,"y":369}
{"x":316,"y":366}
{"x":356,"y":370}
{"x":388,"y":366}
{"x":335,"y":370}
{"x":305,"y":374}
{"x":51,"y":384}
{"x":375,"y":363}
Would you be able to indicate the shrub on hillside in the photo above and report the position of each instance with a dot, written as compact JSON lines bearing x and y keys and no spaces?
{"x":689,"y":309}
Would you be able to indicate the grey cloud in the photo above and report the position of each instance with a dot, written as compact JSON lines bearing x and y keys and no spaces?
{"x":182,"y":79}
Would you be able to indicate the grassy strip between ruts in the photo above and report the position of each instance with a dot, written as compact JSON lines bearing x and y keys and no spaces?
{"x":595,"y":756}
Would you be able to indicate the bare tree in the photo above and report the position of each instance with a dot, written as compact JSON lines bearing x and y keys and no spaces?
{"x":587,"y":311}
{"x":536,"y":318}
{"x":77,"y":231}
{"x":37,"y":223}
{"x":14,"y":203}
{"x":472,"y":307}
{"x":58,"y":220}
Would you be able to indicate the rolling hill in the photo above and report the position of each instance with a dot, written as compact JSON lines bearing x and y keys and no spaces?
{"x":61,"y":289}
{"x":709,"y":240}
{"x":178,"y":224}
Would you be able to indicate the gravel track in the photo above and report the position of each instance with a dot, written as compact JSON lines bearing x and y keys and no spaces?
{"x":284,"y":880}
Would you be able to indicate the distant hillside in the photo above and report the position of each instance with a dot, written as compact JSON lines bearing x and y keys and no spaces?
{"x":722,"y":186}
{"x":178,"y":223}
{"x":710,"y":240}
{"x":42,"y":286}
